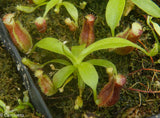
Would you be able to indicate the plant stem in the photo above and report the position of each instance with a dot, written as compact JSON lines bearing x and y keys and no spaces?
{"x":155,"y":70}
{"x":44,"y":3}
{"x":143,"y":91}
{"x":66,"y":82}
{"x":154,"y":34}
{"x":113,"y":32}
{"x":146,"y":50}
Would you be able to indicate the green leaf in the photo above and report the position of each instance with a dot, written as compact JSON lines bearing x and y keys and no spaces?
{"x":159,"y":50}
{"x":81,"y":84}
{"x":25,"y":9}
{"x":38,"y":1}
{"x":57,"y":8}
{"x":29,"y":105}
{"x":103,"y":63}
{"x":153,"y":27}
{"x":1,"y":110}
{"x":149,"y":20}
{"x":156,"y":28}
{"x":72,"y":10}
{"x":49,"y":6}
{"x":60,"y":77}
{"x":51,"y":44}
{"x":112,"y":42}
{"x":154,"y":50}
{"x":13,"y":115}
{"x":69,"y":54}
{"x":60,"y":61}
{"x":22,"y":106}
{"x":114,"y":11}
{"x":3,"y":105}
{"x":54,"y":45}
{"x":28,"y":9}
{"x":89,"y":75}
{"x":76,"y":50}
{"x":148,"y":6}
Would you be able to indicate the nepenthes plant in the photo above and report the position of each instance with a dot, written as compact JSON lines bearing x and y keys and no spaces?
{"x":75,"y":66}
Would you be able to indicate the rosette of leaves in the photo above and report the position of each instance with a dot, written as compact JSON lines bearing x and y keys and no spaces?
{"x":84,"y":71}
{"x":71,"y":9}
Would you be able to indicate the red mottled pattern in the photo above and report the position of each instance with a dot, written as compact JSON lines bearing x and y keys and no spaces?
{"x":110,"y":93}
{"x":87,"y":34}
{"x":19,"y":35}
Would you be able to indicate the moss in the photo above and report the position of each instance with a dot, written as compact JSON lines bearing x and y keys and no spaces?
{"x":62,"y":104}
{"x":11,"y":88}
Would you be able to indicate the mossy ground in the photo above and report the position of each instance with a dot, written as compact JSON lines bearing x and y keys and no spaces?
{"x":131,"y":103}
{"x":11,"y":88}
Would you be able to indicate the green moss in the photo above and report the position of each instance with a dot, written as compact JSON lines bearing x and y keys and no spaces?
{"x":62,"y":104}
{"x":11,"y":88}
